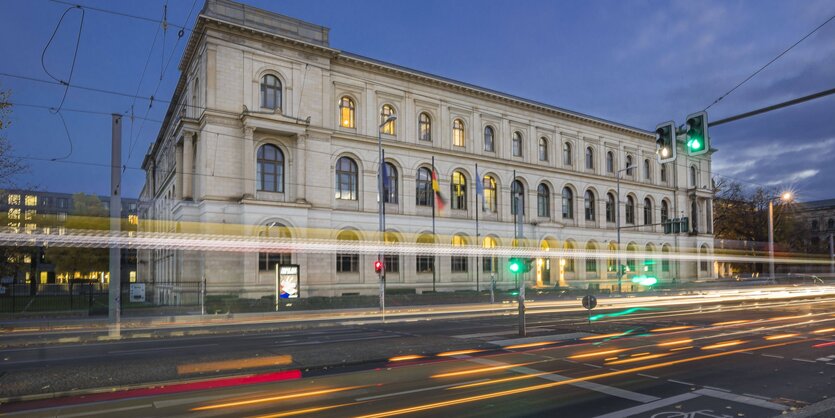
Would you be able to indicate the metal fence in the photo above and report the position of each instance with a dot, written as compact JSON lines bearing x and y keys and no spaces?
{"x":78,"y":298}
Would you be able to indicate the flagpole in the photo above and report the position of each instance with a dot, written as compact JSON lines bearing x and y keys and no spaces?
{"x":434,"y":237}
{"x":477,"y":234}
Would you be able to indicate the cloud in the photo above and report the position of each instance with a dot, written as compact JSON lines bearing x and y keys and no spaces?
{"x":794,"y":177}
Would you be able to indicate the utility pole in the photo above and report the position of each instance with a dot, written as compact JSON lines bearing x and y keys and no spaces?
{"x":617,"y":224}
{"x":115,"y":286}
{"x":381,"y":190}
{"x":518,"y":234}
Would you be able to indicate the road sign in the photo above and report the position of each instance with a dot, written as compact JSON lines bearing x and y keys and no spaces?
{"x":589,"y":302}
{"x":137,"y":292}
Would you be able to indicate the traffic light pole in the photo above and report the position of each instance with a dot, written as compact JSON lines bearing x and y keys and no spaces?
{"x":617,"y":221}
{"x":517,"y":233}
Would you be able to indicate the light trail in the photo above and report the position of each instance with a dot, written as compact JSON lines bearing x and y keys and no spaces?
{"x":637,"y":359}
{"x":779,"y":337}
{"x":598,"y":353}
{"x":503,"y":380}
{"x":823,"y":331}
{"x":405,"y":358}
{"x":604,"y":336}
{"x":736,"y":322}
{"x":458,"y":353}
{"x":668,"y":329}
{"x":274,"y":398}
{"x":529,"y":345}
{"x":481,"y":370}
{"x":306,"y":410}
{"x":676,"y":342}
{"x":723,"y":344}
{"x":493,"y":395}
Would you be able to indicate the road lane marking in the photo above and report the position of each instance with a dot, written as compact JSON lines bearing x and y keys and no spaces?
{"x":647,"y":375}
{"x":593,"y":365}
{"x":104,"y":411}
{"x":772,"y":356}
{"x":406,"y":392}
{"x":597,"y":387}
{"x":542,"y":338}
{"x":742,"y":399}
{"x":715,"y":388}
{"x":142,"y":350}
{"x":649,"y":406}
{"x":751,"y":395}
{"x":803,"y":360}
{"x":680,"y":382}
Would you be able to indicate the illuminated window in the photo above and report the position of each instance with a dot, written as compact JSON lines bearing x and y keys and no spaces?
{"x":270,"y":92}
{"x":62,"y":216}
{"x":133,"y":219}
{"x":270,"y":175}
{"x":458,"y":191}
{"x":424,"y":127}
{"x":490,"y":204}
{"x":489,"y":139}
{"x":459,"y":263}
{"x":458,"y":133}
{"x":31,"y":227}
{"x":14,"y":199}
{"x":14,"y":213}
{"x":31,"y":200}
{"x":390,"y":127}
{"x":346,"y":112}
{"x":30,"y":214}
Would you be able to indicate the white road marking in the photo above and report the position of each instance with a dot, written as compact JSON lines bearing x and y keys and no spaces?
{"x":772,"y":356}
{"x":648,"y":375}
{"x":751,"y":395}
{"x":742,"y":399}
{"x":803,"y":360}
{"x":593,"y":365}
{"x":680,"y":382}
{"x":649,"y":406}
{"x":597,"y":387}
{"x":406,"y":392}
{"x":542,"y":338}
{"x":715,"y":388}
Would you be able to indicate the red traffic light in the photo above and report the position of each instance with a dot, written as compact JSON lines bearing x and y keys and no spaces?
{"x":378,"y":266}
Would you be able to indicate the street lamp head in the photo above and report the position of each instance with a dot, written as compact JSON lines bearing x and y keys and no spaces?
{"x":391,"y":118}
{"x":787,"y":196}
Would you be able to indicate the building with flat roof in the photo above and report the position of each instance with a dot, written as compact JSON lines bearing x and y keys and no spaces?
{"x":274,"y":131}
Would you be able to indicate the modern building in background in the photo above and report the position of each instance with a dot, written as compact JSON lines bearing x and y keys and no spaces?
{"x":274,"y":132}
{"x":48,"y":213}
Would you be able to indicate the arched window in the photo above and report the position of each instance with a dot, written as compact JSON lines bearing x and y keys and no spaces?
{"x":693,"y":176}
{"x":830,"y":224}
{"x":665,"y":261}
{"x":703,"y":259}
{"x":630,"y":210}
{"x":647,"y":173}
{"x":647,"y":211}
{"x":569,"y":259}
{"x":270,"y":175}
{"x":458,"y":263}
{"x":490,"y":195}
{"x":346,"y":112}
{"x":347,"y":261}
{"x":391,"y":261}
{"x":346,"y":179}
{"x":517,"y":198}
{"x":588,"y":202}
{"x":663,"y":173}
{"x":591,"y":262}
{"x":489,"y":139}
{"x":390,"y":127}
{"x":649,"y":262}
{"x":589,"y":158}
{"x":423,"y":187}
{"x":567,"y":203}
{"x":610,"y":208}
{"x":489,"y":263}
{"x":628,"y":165}
{"x":268,"y":261}
{"x":390,"y":188}
{"x":543,"y":149}
{"x":566,"y":154}
{"x":458,"y":191}
{"x":610,"y":162}
{"x":424,"y":127}
{"x":516,"y":144}
{"x":665,"y":211}
{"x":631,"y":249}
{"x":270,"y":92}
{"x":425,"y":263}
{"x":543,"y":201}
{"x":458,"y":133}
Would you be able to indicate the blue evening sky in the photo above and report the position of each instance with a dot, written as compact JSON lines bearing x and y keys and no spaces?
{"x":635,"y":62}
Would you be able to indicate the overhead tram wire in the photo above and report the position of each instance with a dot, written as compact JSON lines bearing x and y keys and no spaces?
{"x":770,"y":62}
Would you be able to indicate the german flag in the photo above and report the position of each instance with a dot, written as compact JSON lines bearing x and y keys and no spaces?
{"x":440,"y":202}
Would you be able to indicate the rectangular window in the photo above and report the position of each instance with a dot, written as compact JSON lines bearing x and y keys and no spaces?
{"x":665,"y":265}
{"x":268,"y":261}
{"x":424,"y":264}
{"x":490,"y":264}
{"x":31,"y":200}
{"x":569,"y":265}
{"x":459,"y":264}
{"x":347,"y":262}
{"x":14,"y":213}
{"x":591,"y":265}
{"x":630,"y":264}
{"x":392,"y":263}
{"x":14,"y":199}
{"x":30,"y":214}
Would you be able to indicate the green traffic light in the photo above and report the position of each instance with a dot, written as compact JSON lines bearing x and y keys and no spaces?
{"x":695,"y":144}
{"x":514,"y":267}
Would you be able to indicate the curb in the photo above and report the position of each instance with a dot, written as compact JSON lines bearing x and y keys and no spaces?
{"x":822,"y":409}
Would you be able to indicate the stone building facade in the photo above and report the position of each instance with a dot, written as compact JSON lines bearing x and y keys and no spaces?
{"x":273,"y":131}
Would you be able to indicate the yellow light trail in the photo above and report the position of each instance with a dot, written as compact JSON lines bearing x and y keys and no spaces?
{"x":492,"y":395}
{"x":723,"y":344}
{"x":683,"y":327}
{"x":481,"y":370}
{"x":739,"y":321}
{"x":823,"y":331}
{"x":602,"y":336}
{"x":404,"y":358}
{"x":636,"y":359}
{"x":597,"y":353}
{"x":237,"y":364}
{"x":306,"y":410}
{"x":529,"y":345}
{"x":457,"y":353}
{"x":274,"y":398}
{"x":780,"y":318}
{"x":682,"y":348}
{"x":780,"y":336}
{"x":496,"y":381}
{"x":676,"y":342}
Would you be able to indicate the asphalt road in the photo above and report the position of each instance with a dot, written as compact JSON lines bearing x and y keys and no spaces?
{"x":727,"y":360}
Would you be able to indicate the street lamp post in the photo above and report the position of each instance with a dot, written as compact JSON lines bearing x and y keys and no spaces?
{"x":382,"y":221}
{"x":617,"y":224}
{"x":786,"y":197}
